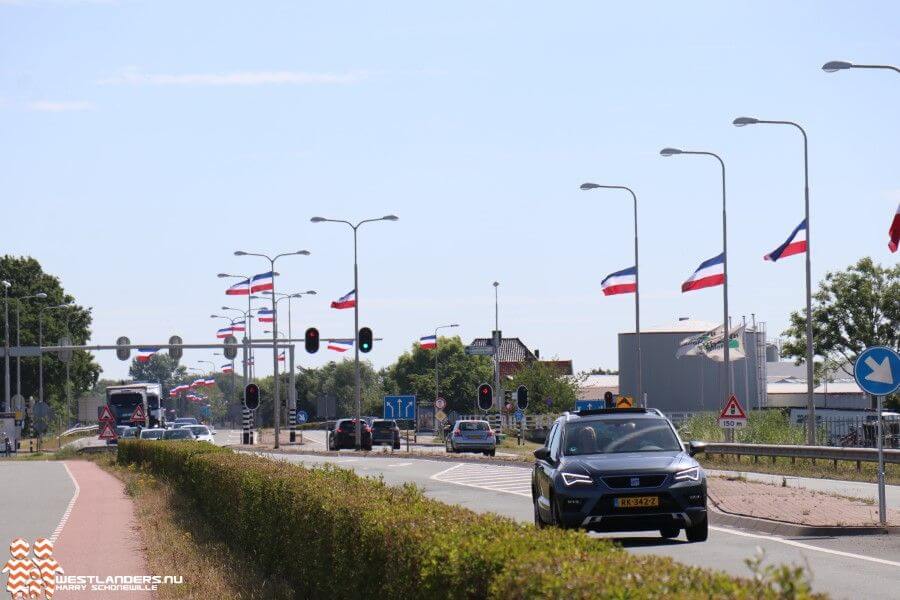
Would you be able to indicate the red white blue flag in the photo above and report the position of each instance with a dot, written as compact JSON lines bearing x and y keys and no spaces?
{"x":348,"y":300}
{"x":795,"y":244}
{"x":429,"y":341}
{"x":227,"y":368}
{"x":224,"y":332}
{"x":198,"y":383}
{"x":265,"y":315}
{"x":281,"y":357}
{"x":620,"y":282}
{"x":241,"y":288}
{"x":340,"y":345}
{"x":710,"y":273}
{"x":894,"y":232}
{"x":238,"y":326}
{"x":144,"y":354}
{"x":210,"y":382}
{"x":262,"y":282}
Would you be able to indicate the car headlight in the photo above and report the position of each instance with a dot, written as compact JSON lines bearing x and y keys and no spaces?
{"x":692,"y":474}
{"x":575,"y":478}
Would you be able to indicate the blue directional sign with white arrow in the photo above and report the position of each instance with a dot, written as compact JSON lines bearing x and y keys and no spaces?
{"x":399,"y":407}
{"x":302,"y":417}
{"x":877,"y":371}
{"x":589,"y":404}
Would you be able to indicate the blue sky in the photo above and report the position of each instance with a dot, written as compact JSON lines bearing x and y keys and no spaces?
{"x":143,"y":142}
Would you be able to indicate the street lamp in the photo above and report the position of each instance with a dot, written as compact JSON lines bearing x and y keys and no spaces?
{"x":437,"y":393}
{"x":725,"y":324}
{"x":272,"y":259}
{"x":38,"y":296}
{"x":250,"y":296}
{"x":810,"y":403}
{"x":498,"y":341}
{"x":6,"y":286}
{"x":41,"y":344}
{"x":840,"y":65}
{"x":280,"y":296}
{"x":637,"y":286}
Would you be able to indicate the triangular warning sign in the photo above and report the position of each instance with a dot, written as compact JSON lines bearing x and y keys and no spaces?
{"x":733,"y":409}
{"x":138,"y":416}
{"x":106,"y":415}
{"x":107,"y":431}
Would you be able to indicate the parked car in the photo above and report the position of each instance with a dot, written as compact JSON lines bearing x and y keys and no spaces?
{"x":181,"y":421}
{"x":386,"y":432}
{"x":201,"y":432}
{"x":619,"y":470}
{"x":472,"y":436}
{"x":343,"y":435}
{"x":182,"y":433}
{"x":152,"y":434}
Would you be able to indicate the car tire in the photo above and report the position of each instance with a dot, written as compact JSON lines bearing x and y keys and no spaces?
{"x":698,"y":532}
{"x":538,"y":521}
{"x":487,"y":452}
{"x":493,"y":453}
{"x":669,"y":532}
{"x":396,"y":446}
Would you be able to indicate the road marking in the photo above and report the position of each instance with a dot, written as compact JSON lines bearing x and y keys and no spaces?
{"x":399,"y":465}
{"x":347,"y":460}
{"x":797,"y":544}
{"x":508,"y":480}
{"x":68,"y":511}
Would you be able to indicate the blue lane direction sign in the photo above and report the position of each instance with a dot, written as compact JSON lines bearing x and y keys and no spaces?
{"x":399,"y":407}
{"x":519,"y":415}
{"x":877,"y":371}
{"x":589,"y":404}
{"x":302,"y":417}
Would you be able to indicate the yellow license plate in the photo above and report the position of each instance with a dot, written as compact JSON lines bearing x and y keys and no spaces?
{"x":637,"y":502}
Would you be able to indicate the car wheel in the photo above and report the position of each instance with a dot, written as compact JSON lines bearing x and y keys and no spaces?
{"x":396,"y":445}
{"x":487,"y":452}
{"x":698,"y":532}
{"x":538,"y":521}
{"x":493,"y":453}
{"x":669,"y":532}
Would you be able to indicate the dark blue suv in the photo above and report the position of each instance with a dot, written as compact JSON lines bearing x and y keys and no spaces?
{"x":619,"y":470}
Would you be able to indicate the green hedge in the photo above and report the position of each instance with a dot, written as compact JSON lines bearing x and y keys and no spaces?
{"x":330,"y":533}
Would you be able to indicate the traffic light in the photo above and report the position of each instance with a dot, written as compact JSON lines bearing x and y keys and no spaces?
{"x":251,"y":396}
{"x":522,"y":397}
{"x":365,"y":339}
{"x":485,"y":396}
{"x":312,"y":340}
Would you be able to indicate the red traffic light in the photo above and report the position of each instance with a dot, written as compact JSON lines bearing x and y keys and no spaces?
{"x":311,"y":341}
{"x":485,"y":396}
{"x":251,"y":396}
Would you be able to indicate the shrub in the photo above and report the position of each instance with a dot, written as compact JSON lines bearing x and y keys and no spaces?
{"x":330,"y":533}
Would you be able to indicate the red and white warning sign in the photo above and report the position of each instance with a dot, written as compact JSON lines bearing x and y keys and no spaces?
{"x":106,"y":415}
{"x":733,"y":415}
{"x":138,"y":416}
{"x":107,"y":431}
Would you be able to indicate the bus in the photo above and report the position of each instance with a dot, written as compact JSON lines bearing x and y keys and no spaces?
{"x":124,"y":399}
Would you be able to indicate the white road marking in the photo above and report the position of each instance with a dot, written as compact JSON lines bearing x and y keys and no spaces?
{"x":68,"y":511}
{"x":347,"y":460}
{"x":399,"y":465}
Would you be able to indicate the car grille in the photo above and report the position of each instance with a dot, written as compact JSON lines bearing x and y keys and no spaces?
{"x":620,"y":482}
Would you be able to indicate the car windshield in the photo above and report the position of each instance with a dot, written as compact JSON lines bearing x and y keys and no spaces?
{"x":611,"y":436}
{"x":383,"y":425}
{"x":199,"y":429}
{"x":178,"y":434}
{"x":151,"y":434}
{"x":473,"y":426}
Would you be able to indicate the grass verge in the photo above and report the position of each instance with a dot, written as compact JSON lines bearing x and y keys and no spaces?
{"x":801,"y":467}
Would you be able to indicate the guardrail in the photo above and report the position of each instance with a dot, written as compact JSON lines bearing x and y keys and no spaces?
{"x":857,"y":455}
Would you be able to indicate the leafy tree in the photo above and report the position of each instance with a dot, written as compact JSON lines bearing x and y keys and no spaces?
{"x":460,"y":374}
{"x":601,"y":371}
{"x":338,"y":380}
{"x":544,"y":381}
{"x":159,"y":368}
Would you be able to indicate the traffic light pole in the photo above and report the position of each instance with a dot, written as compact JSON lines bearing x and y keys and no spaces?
{"x":497,"y":342}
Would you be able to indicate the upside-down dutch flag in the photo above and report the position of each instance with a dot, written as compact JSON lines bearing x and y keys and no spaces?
{"x":238,"y":326}
{"x":211,"y":382}
{"x":710,"y":273}
{"x":227,"y":368}
{"x":198,"y":383}
{"x":795,"y":244}
{"x":340,"y":345}
{"x":144,"y":354}
{"x":224,"y":332}
{"x":241,"y":288}
{"x":262,"y":282}
{"x":348,"y":300}
{"x":173,"y":392}
{"x":428,"y":341}
{"x":265,"y":315}
{"x":620,"y":282}
{"x":894,"y":231}
{"x":281,"y":357}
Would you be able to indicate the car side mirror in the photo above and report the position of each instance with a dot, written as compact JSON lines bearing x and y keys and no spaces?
{"x":696,"y":447}
{"x":542,"y":453}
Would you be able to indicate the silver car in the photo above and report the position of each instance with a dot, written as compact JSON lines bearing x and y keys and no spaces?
{"x":472,"y":436}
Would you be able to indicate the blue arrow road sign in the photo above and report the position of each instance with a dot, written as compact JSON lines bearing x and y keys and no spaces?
{"x":519,"y":415}
{"x":302,"y":417}
{"x":399,"y":407}
{"x":877,"y":371}
{"x":589,"y":404}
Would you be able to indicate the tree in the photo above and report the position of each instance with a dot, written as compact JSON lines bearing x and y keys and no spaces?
{"x":460,"y":374}
{"x":544,"y":381}
{"x":337,"y":380}
{"x":27,"y":279}
{"x":159,"y":368}
{"x":601,"y":371}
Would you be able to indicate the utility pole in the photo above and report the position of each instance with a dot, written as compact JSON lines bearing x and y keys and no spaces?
{"x":498,"y":340}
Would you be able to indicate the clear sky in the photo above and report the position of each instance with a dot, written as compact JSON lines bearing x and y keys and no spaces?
{"x":144,"y":141}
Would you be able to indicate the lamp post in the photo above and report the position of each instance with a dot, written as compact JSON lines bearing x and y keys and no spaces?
{"x":250,"y":297}
{"x":437,"y":393}
{"x":38,"y":296}
{"x":272,"y":260}
{"x":248,"y":326}
{"x":357,"y":392}
{"x":68,"y":362}
{"x":840,"y":65}
{"x":6,"y":286}
{"x":498,"y":341}
{"x":637,"y":281}
{"x":289,"y":297}
{"x":725,"y":322}
{"x":41,"y":345}
{"x":810,"y":384}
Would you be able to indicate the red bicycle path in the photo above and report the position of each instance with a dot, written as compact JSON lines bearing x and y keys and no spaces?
{"x":101,"y":536}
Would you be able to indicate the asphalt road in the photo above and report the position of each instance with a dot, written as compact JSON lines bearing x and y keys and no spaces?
{"x":34,"y":496}
{"x":845,"y":567}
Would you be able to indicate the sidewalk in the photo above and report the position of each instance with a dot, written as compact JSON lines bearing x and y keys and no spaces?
{"x":101,"y":536}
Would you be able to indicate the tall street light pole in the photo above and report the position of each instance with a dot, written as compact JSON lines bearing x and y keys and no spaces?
{"x":637,"y":283}
{"x":357,"y":392}
{"x":6,"y":286}
{"x":38,"y":296}
{"x":725,"y":321}
{"x":810,"y":353}
{"x":437,"y":389}
{"x":250,"y":297}
{"x":41,"y":345}
{"x":248,"y":326}
{"x":840,"y":65}
{"x":272,"y":259}
{"x":498,"y":341}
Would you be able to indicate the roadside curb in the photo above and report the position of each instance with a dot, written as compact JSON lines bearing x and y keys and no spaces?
{"x":389,"y":455}
{"x":787,"y":529}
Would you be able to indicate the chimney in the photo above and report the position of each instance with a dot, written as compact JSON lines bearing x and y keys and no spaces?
{"x":537,"y":353}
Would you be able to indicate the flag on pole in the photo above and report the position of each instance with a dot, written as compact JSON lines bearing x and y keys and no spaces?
{"x":265,"y":315}
{"x":795,"y":244}
{"x":427,"y":342}
{"x":249,"y":362}
{"x":714,"y":348}
{"x":227,"y":368}
{"x":144,"y":354}
{"x":262,"y":282}
{"x":348,"y":300}
{"x":238,"y":326}
{"x":691,"y":346}
{"x":620,"y":282}
{"x":224,"y":332}
{"x":710,"y":273}
{"x":281,"y":357}
{"x":241,"y":288}
{"x":894,"y":231}
{"x":198,"y":383}
{"x":173,"y":392}
{"x":340,"y":345}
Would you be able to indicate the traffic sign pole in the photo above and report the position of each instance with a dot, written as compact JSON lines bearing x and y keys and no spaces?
{"x":882,"y":503}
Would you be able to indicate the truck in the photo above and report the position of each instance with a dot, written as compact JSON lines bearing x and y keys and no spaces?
{"x":124,"y":399}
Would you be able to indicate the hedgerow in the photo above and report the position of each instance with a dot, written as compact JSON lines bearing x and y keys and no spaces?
{"x":330,"y":533}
